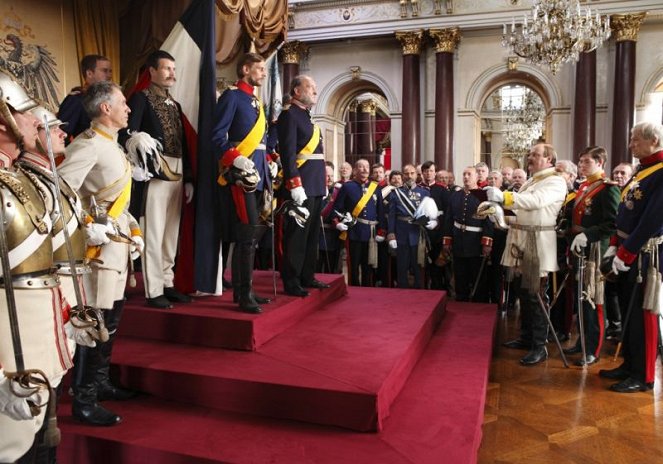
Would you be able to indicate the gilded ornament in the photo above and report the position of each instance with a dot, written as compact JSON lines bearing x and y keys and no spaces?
{"x":411,"y":41}
{"x":292,"y":52}
{"x":626,"y":26}
{"x":446,"y":40}
{"x":368,"y":106}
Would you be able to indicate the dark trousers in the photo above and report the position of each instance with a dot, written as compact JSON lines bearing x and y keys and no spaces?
{"x":533,"y":323}
{"x":328,"y":261}
{"x":406,"y":261}
{"x":361,"y":274}
{"x":300,"y":246}
{"x":466,"y":271}
{"x":612,"y":308}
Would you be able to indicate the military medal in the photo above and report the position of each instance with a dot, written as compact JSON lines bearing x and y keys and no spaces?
{"x":629,"y":204}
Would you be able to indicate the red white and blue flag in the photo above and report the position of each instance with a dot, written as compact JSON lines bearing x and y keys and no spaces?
{"x":192,"y":43}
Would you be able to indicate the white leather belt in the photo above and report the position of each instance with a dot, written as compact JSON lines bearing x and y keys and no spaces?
{"x":312,"y":156}
{"x":464,"y":227}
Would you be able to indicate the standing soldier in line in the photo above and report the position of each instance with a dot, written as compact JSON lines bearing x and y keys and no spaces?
{"x":637,"y":249}
{"x":360,"y":218}
{"x":468,"y":239}
{"x":95,"y":68}
{"x":156,"y":117}
{"x":239,"y":133}
{"x":39,"y":308}
{"x":303,"y":160}
{"x":405,"y":235}
{"x":531,"y":245}
{"x":329,"y":246}
{"x":592,"y":224}
{"x":96,"y":166}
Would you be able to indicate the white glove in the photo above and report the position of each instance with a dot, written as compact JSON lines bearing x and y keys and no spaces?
{"x":243,"y":163}
{"x":393,"y":244}
{"x":432,"y":224}
{"x":619,"y":266}
{"x":188,"y":192}
{"x":579,"y":242}
{"x":140,"y":174}
{"x":82,"y":336}
{"x":138,"y":245}
{"x":379,"y":238}
{"x":273,"y":169}
{"x":15,"y":406}
{"x":611,"y":251}
{"x":96,"y":233}
{"x":341,"y":227}
{"x":298,"y":195}
{"x":494,"y":194}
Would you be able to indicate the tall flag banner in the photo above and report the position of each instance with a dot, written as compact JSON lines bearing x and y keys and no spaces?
{"x":271,"y":93}
{"x":192,"y":44}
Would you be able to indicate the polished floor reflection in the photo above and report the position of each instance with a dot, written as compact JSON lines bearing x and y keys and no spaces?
{"x":550,"y":414}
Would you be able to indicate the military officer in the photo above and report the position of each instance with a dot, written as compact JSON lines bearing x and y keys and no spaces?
{"x":39,"y":308}
{"x":96,"y":166}
{"x":303,"y":160}
{"x":153,"y":111}
{"x":405,"y":236}
{"x":592,"y":224}
{"x":468,"y":239}
{"x":637,"y":250}
{"x":359,"y":211}
{"x":239,"y":134}
{"x":95,"y":68}
{"x":531,"y":244}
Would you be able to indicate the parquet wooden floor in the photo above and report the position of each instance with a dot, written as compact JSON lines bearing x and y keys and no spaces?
{"x":550,"y":414}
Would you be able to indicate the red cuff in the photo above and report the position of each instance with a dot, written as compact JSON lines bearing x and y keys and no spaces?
{"x":65,"y":314}
{"x":293,"y":183}
{"x":382,"y":232}
{"x":625,"y":255}
{"x":446,"y":241}
{"x":273,"y":156}
{"x":229,"y":156}
{"x":614,"y":240}
{"x":487,"y":241}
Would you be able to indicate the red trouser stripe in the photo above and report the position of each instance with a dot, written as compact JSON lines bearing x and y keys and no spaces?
{"x":240,"y":203}
{"x":599,"y":314}
{"x":651,"y":344}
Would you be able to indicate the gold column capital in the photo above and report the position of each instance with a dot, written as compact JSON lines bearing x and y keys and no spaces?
{"x":353,"y":106}
{"x":445,"y":40}
{"x":368,"y":106}
{"x":626,"y":26}
{"x":292,"y":52}
{"x":411,"y":41}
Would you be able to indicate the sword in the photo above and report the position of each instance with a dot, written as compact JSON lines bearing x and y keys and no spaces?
{"x":80,"y":316}
{"x":542,"y":305}
{"x":476,"y":282}
{"x":627,"y":315}
{"x":580,"y":297}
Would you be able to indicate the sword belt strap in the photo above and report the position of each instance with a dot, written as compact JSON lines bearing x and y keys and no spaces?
{"x":532,"y":228}
{"x":466,"y":228}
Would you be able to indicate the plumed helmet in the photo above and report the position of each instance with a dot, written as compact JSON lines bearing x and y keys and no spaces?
{"x":427,"y":208}
{"x":52,"y":120}
{"x":14,"y":95}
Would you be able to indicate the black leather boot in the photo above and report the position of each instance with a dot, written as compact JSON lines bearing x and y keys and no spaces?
{"x":105,"y":388}
{"x":247,"y":301}
{"x":85,"y":406}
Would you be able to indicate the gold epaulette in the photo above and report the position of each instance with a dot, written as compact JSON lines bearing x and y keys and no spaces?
{"x":609,"y":181}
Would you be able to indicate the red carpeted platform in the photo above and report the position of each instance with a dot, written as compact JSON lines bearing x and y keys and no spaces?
{"x":214,"y":321}
{"x":436,"y":417}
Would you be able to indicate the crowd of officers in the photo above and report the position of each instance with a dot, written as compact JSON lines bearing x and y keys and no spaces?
{"x":70,"y":236}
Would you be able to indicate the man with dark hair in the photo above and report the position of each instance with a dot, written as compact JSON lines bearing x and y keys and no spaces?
{"x":156,"y":119}
{"x":96,"y":166}
{"x":94,"y":68}
{"x":303,"y":161}
{"x":240,"y":134}
{"x":378,"y":174}
{"x":592,"y":220}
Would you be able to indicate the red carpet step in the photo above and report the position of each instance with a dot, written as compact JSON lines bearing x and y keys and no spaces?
{"x":343,"y":365}
{"x":214,"y":321}
{"x":436,"y":418}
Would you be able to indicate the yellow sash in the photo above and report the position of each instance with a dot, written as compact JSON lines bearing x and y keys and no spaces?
{"x":308,"y":149}
{"x":361,"y":204}
{"x":639,"y":176}
{"x":247,"y":146}
{"x":117,"y":208}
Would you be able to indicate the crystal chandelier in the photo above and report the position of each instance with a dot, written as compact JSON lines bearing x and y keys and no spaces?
{"x":523,"y":120}
{"x":558,"y":32}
